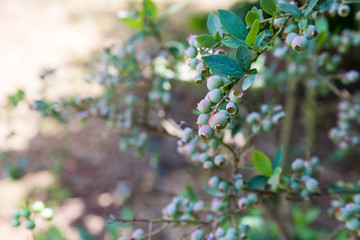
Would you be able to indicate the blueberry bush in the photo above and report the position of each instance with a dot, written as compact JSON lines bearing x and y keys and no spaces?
{"x":273,"y":49}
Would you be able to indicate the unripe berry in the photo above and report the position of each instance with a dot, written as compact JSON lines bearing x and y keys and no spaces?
{"x":207,"y":165}
{"x":202,"y":119}
{"x":351,"y":76}
{"x":310,"y":32}
{"x":219,"y":160}
{"x":214,"y":182}
{"x":289,"y":29}
{"x":204,"y":106}
{"x":217,"y":205}
{"x":253,"y":118}
{"x":298,"y":165}
{"x":220,"y":52}
{"x":311,"y":185}
{"x":215,"y":95}
{"x":192,"y":40}
{"x":232,"y":108}
{"x":16,"y":213}
{"x":316,"y":15}
{"x":38,"y":206}
{"x":343,"y":214}
{"x":30,"y":224}
{"x":220,"y":232}
{"x":253,"y":198}
{"x":239,"y":184}
{"x":214,"y":82}
{"x":200,"y":67}
{"x":243,"y":203}
{"x":356,"y":198}
{"x":244,"y":228}
{"x":343,"y":10}
{"x":191,"y":52}
{"x":199,"y":205}
{"x":236,"y":95}
{"x":47,"y":213}
{"x":353,"y":224}
{"x":193,"y":62}
{"x":197,"y":235}
{"x":223,"y":186}
{"x":300,"y":44}
{"x":25,"y":213}
{"x":205,"y":132}
{"x":264,"y":108}
{"x":218,"y":121}
{"x":15,"y":222}
{"x":357,"y":15}
{"x":138,"y":233}
{"x":266,"y":125}
{"x":289,"y":38}
{"x":203,"y":157}
{"x":198,"y":79}
{"x":295,"y":186}
{"x":305,"y":194}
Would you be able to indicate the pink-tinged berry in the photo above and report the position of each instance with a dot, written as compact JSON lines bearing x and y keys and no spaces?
{"x":300,"y":44}
{"x":191,"y":52}
{"x":214,"y":82}
{"x":219,"y":160}
{"x":343,"y":10}
{"x":202,"y":119}
{"x":236,"y":95}
{"x":316,"y":15}
{"x":311,"y":32}
{"x":289,"y":38}
{"x":204,"y":106}
{"x":206,"y":132}
{"x":215,"y":95}
{"x":232,"y":108}
{"x":218,"y":121}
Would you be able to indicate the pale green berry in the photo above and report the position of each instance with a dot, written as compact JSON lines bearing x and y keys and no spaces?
{"x":138,"y":234}
{"x":289,"y":38}
{"x":310,"y":32}
{"x":356,"y":198}
{"x":47,"y":213}
{"x":205,"y":132}
{"x":193,"y":62}
{"x":192,"y":40}
{"x":204,"y":106}
{"x":15,"y":222}
{"x":353,"y":224}
{"x":311,"y":185}
{"x":343,"y":214}
{"x":236,"y":96}
{"x":289,"y":29}
{"x":30,"y":224}
{"x":220,"y":232}
{"x":25,"y":213}
{"x":253,"y":198}
{"x":232,"y":108}
{"x":215,"y":95}
{"x":223,"y":186}
{"x":316,"y":15}
{"x":199,"y":78}
{"x":243,"y":203}
{"x":343,"y":10}
{"x":218,"y":121}
{"x":305,"y":194}
{"x":16,"y":213}
{"x":203,"y":157}
{"x":266,"y":125}
{"x":208,"y":165}
{"x":214,"y":182}
{"x":298,"y":165}
{"x":38,"y":206}
{"x":202,"y":119}
{"x":300,"y":44}
{"x":197,"y":235}
{"x":219,"y":160}
{"x":214,"y":82}
{"x":191,"y":52}
{"x":239,"y":184}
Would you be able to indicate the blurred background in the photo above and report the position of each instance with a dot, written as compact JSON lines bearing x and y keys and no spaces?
{"x":78,"y":169}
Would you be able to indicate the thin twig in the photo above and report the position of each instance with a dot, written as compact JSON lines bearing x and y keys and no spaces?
{"x":334,"y":232}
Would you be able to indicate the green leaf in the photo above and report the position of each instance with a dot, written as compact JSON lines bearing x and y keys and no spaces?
{"x":243,"y":57}
{"x":257,"y":182}
{"x":206,"y":40}
{"x":259,"y":39}
{"x":17,"y":97}
{"x":252,"y":71}
{"x":310,"y":7}
{"x":251,"y":17}
{"x":133,"y":23}
{"x":302,"y":23}
{"x":137,"y":37}
{"x":150,"y":9}
{"x":269,"y":6}
{"x":213,"y":23}
{"x":262,"y":163}
{"x":274,"y":180}
{"x":214,"y":192}
{"x":224,"y":64}
{"x":290,"y":8}
{"x":327,"y":5}
{"x":190,"y":193}
{"x":248,"y":81}
{"x":233,"y":24}
{"x":172,"y":9}
{"x":233,"y":42}
{"x":251,"y":37}
{"x":278,"y":158}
